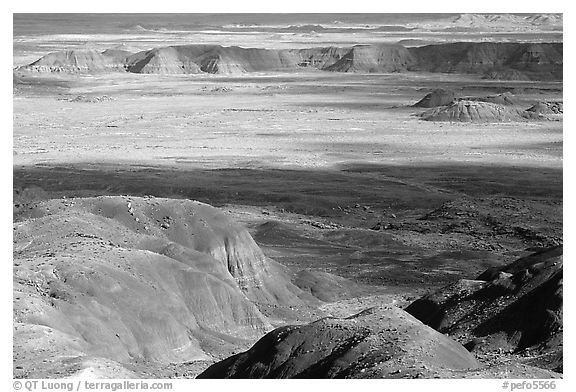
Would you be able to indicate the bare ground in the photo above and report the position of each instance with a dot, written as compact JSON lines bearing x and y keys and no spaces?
{"x":330,"y":173}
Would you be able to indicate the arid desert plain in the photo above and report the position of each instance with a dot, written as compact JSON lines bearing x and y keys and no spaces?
{"x":272,"y":196}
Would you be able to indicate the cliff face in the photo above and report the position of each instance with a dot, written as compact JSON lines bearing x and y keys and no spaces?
{"x":234,"y":60}
{"x":374,"y":59}
{"x":212,"y":59}
{"x":74,"y":61}
{"x":533,"y":61}
{"x":320,"y":58}
{"x":161,"y":61}
{"x":495,"y":60}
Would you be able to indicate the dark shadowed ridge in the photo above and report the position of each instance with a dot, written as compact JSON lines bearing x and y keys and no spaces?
{"x":383,"y":342}
{"x":537,"y":61}
{"x":517,"y":307}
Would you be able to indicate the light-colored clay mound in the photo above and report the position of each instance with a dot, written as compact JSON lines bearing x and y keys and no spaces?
{"x":472,"y":111}
{"x":383,"y":342}
{"x":438,"y":97}
{"x":515,"y":308}
{"x":124,"y":278}
{"x":74,"y":61}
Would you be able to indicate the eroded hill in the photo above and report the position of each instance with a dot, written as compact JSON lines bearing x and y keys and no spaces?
{"x":383,"y":342}
{"x":112,"y":280}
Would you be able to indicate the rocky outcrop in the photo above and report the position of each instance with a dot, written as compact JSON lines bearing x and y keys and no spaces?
{"x":517,"y":307}
{"x":383,"y":342}
{"x":321,"y":58}
{"x":161,"y":61}
{"x":545,"y":110}
{"x":373,"y":59}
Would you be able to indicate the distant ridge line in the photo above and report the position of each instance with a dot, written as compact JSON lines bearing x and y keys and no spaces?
{"x":516,"y":61}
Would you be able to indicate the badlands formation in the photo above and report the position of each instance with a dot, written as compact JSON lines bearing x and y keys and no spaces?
{"x":315,"y":206}
{"x":120,"y":278}
{"x":531,"y":61}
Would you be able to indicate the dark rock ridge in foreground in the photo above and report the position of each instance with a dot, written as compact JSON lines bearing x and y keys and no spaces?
{"x":382,"y":342}
{"x":127,"y":278}
{"x":516,"y":308}
{"x":509,"y":321}
{"x":541,"y":61}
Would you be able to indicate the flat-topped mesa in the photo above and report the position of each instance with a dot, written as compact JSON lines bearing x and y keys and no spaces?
{"x":214,"y":59}
{"x":374,"y":59}
{"x":80,"y":61}
{"x":542,"y":61}
{"x":235,"y":60}
{"x":538,"y":61}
